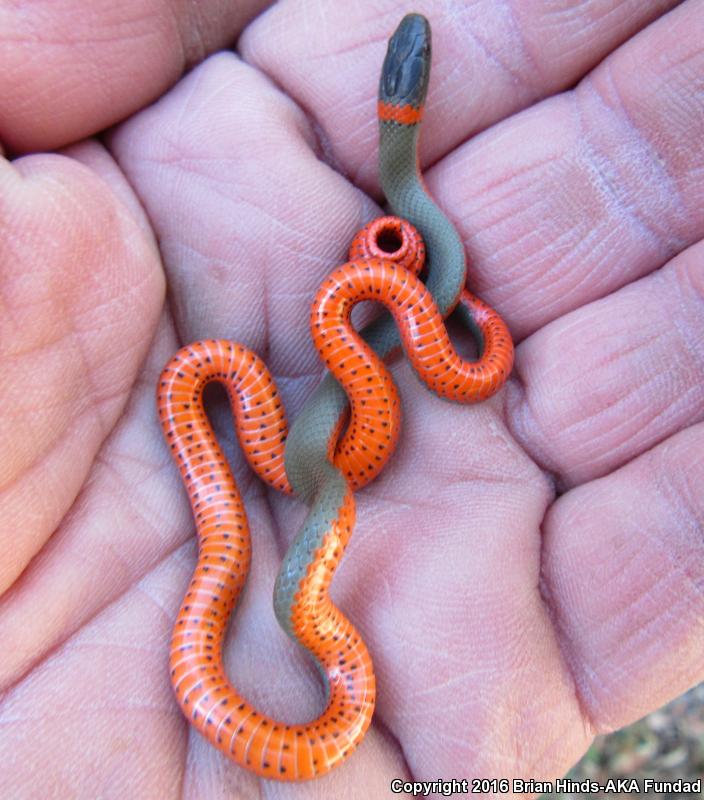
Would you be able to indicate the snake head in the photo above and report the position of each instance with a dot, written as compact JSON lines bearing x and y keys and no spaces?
{"x":404,"y":76}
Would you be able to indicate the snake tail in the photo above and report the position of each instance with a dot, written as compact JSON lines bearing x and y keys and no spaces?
{"x":208,"y":699}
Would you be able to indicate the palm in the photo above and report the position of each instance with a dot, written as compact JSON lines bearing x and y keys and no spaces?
{"x":506,"y":626}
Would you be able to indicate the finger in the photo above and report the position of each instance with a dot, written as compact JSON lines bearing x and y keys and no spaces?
{"x":65,"y":73}
{"x":606,"y":382}
{"x":589,"y":190}
{"x":488,"y":63}
{"x":81,"y":287}
{"x":623,"y":572}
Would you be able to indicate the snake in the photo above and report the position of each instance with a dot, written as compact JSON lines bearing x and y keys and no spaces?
{"x":340,"y":441}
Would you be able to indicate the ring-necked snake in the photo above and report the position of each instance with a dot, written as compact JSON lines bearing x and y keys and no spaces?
{"x":314,"y":460}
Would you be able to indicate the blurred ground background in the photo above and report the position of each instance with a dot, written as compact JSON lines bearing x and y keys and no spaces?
{"x":667,"y":745}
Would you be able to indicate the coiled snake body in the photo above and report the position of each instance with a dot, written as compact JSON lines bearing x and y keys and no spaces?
{"x":385,"y":259}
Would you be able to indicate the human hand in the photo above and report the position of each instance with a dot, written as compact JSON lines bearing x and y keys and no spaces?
{"x":506,"y":626}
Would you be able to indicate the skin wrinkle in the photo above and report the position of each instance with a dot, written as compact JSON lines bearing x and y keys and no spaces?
{"x":555,"y":275}
{"x":67,"y":39}
{"x":636,"y":601}
{"x":62,"y":643}
{"x":27,"y":477}
{"x":617,"y":394}
{"x":385,"y":733}
{"x":646,"y":415}
{"x":666,"y":487}
{"x":520,"y":423}
{"x":636,"y":638}
{"x":531,"y":64}
{"x":69,"y":646}
{"x":520,"y":276}
{"x":353,"y":48}
{"x":571,"y":663}
{"x":90,"y":407}
{"x":663,"y":180}
{"x":564,"y":278}
{"x":96,"y":399}
{"x":190,"y":33}
{"x":18,"y":586}
{"x":313,"y":134}
{"x":437,"y":501}
{"x":608,"y":189}
{"x":15,"y":356}
{"x":514,"y":75}
{"x":172,"y":18}
{"x":507,"y":185}
{"x":515,"y":278}
{"x":689,"y":340}
{"x":655,"y":157}
{"x":138,"y":509}
{"x":266,"y":312}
